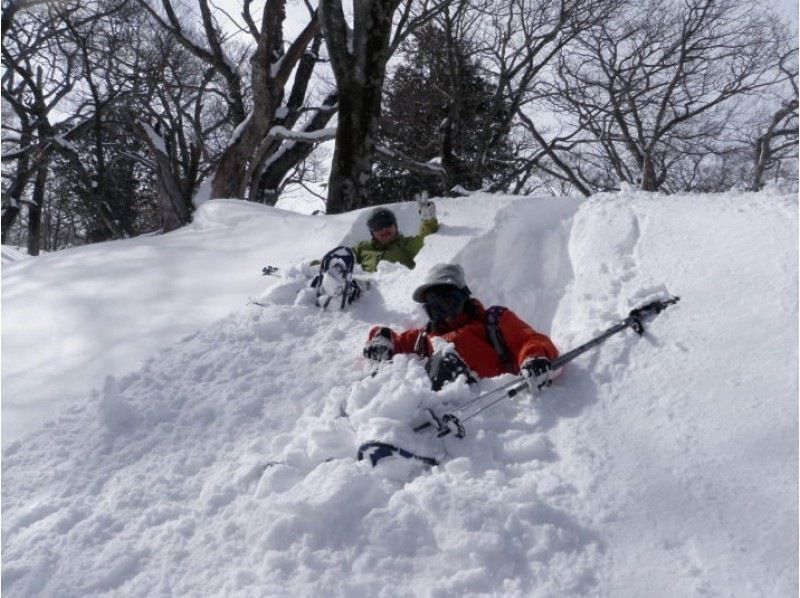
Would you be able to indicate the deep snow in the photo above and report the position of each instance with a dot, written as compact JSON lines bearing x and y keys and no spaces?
{"x":214,"y":458}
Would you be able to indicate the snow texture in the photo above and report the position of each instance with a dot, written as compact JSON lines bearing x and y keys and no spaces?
{"x":217,"y":456}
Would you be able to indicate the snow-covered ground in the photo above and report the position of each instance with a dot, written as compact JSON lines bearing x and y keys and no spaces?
{"x":214,"y":458}
{"x":13,"y":254}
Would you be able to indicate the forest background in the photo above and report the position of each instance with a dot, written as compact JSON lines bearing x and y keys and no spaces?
{"x":120,"y":117}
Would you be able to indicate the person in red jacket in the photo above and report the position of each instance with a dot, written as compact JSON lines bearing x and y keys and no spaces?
{"x":479,"y":342}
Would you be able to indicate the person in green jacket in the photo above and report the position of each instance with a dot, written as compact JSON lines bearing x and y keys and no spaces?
{"x":388,"y":244}
{"x":335,"y":283}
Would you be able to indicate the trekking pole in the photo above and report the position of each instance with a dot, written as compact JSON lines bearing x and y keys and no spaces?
{"x":450,"y":423}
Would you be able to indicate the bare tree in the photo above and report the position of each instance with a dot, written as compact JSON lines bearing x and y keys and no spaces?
{"x":358,"y":56}
{"x":180,"y":118}
{"x":10,"y":10}
{"x":79,"y":61}
{"x":18,"y":144}
{"x":271,"y":64}
{"x":780,"y":137}
{"x":104,"y":38}
{"x":297,"y":130}
{"x":654,"y":81}
{"x":37,"y":74}
{"x":514,"y":44}
{"x":520,"y":41}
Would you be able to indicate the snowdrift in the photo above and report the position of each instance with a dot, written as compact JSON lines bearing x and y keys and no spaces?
{"x":217,"y":455}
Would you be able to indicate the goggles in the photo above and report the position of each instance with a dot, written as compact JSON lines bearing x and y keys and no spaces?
{"x":444,"y":302}
{"x":380,"y":227}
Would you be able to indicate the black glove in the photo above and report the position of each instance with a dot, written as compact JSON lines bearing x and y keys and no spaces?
{"x":444,"y":367}
{"x":380,"y":347}
{"x":538,"y":372}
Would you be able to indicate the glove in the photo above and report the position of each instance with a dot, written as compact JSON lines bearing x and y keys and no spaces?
{"x":444,"y":367}
{"x":537,"y":371}
{"x":426,"y":207}
{"x":380,"y":347}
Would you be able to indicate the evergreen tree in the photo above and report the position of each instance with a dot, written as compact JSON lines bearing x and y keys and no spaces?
{"x":107,"y":192}
{"x":434,"y":111}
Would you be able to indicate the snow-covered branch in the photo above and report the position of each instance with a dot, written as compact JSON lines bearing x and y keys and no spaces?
{"x":307,"y":137}
{"x":430,"y":168}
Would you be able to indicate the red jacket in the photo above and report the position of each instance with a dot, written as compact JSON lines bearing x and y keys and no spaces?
{"x":469,"y":336}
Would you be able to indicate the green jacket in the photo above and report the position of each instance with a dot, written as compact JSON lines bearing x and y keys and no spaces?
{"x":402,"y":250}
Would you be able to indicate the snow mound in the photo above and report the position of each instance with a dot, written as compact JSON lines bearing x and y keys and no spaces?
{"x":223,"y":463}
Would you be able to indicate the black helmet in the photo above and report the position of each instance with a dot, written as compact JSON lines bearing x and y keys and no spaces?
{"x":381,"y":218}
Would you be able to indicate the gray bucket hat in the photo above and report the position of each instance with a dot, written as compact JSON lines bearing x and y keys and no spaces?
{"x":441,"y":274}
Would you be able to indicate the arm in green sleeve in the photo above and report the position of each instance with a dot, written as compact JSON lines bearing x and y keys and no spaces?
{"x":428,"y":227}
{"x":413,"y":245}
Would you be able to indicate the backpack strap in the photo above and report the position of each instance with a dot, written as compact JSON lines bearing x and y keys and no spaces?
{"x":421,"y":346}
{"x":495,"y":336}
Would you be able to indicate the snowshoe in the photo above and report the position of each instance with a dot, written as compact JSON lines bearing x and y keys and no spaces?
{"x":335,"y":283}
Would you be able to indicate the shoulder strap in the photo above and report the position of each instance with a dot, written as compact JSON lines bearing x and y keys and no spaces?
{"x":493,"y":315}
{"x":421,"y":346}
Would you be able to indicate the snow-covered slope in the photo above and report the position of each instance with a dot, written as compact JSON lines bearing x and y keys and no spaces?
{"x":222,"y":465}
{"x":75,"y":316}
{"x":12,"y":254}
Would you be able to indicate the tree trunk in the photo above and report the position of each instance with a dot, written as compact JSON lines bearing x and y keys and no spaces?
{"x":173,"y":206}
{"x":9,"y":217}
{"x":276,"y":157}
{"x":446,"y":152}
{"x":20,"y":180}
{"x":271,"y":66}
{"x":649,"y":180}
{"x":286,"y":157}
{"x":35,"y":208}
{"x":358,"y":58}
{"x":763,"y":149}
{"x":351,"y":168}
